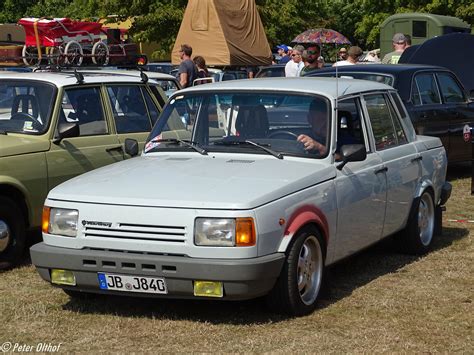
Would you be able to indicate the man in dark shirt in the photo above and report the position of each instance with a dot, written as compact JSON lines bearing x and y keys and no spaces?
{"x":283,"y":52}
{"x":187,"y":70}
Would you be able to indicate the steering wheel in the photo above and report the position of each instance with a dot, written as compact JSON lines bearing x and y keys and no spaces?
{"x":289,"y":134}
{"x":26,"y":116}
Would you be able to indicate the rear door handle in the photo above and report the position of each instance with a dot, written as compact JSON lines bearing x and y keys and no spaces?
{"x":381,"y":170}
{"x":117,"y":148}
{"x":418,"y":158}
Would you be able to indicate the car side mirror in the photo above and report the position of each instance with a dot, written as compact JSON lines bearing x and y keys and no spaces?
{"x":352,"y":152}
{"x":131,"y":147}
{"x":471,"y":95}
{"x":67,"y":130}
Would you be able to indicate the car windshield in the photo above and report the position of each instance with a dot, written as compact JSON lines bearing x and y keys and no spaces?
{"x":256,"y":122}
{"x":25,"y":106}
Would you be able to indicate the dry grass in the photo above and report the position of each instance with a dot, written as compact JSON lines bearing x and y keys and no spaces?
{"x":379,"y":301}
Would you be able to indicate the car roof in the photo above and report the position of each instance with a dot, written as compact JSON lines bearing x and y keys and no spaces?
{"x":321,"y":86}
{"x":68,"y":78}
{"x":402,"y":73}
{"x":150,"y":74}
{"x":379,"y":68}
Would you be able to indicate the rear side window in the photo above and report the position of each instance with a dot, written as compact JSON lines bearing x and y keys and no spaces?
{"x":129,"y":109}
{"x":427,"y":89}
{"x":386,"y":126}
{"x":450,"y":89}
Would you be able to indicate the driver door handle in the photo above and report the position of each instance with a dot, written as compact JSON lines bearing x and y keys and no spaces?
{"x":117,"y":148}
{"x":381,"y":170}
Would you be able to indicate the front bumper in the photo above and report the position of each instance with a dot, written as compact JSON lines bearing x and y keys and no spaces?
{"x":242,"y":278}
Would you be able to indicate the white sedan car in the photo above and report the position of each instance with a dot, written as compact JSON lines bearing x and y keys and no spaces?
{"x":248,"y":188}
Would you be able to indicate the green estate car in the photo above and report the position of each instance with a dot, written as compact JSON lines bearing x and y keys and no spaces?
{"x":54,"y":126}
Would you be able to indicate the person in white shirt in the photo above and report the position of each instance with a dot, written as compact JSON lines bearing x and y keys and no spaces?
{"x":353,"y":57}
{"x":294,"y":66}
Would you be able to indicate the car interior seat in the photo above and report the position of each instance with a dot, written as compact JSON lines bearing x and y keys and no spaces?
{"x":346,"y":131}
{"x":89,"y":113}
{"x":23,"y":103}
{"x":252,"y":122}
{"x":89,"y":108}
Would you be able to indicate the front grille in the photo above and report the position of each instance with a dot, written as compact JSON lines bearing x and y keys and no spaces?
{"x":159,"y":233}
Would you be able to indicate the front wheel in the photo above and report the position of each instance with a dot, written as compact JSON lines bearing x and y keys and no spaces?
{"x":298,"y":285}
{"x":12,"y":233}
{"x":417,"y":237}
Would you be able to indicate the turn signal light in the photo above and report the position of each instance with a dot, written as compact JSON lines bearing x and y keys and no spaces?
{"x":244,"y":232}
{"x":45,"y":219}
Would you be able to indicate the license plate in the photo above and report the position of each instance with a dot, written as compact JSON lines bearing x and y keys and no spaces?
{"x":128,"y":283}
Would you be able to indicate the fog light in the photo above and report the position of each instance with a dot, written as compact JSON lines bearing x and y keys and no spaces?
{"x":63,"y":277}
{"x":208,"y":289}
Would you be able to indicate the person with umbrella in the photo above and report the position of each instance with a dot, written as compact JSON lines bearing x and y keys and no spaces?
{"x":312,"y":54}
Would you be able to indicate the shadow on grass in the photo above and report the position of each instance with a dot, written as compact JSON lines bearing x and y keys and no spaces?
{"x":345,"y":277}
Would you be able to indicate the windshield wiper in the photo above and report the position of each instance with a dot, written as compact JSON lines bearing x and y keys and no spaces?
{"x":193,"y":145}
{"x":252,"y":143}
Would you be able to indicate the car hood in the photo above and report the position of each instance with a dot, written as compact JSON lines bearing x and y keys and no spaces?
{"x":16,"y":144}
{"x":195,"y":181}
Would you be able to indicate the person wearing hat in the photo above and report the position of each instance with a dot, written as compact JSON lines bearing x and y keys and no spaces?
{"x":353,"y":55}
{"x":399,"y":43}
{"x":283,"y":53}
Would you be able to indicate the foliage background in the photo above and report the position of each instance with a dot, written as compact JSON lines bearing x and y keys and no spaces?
{"x":159,"y":20}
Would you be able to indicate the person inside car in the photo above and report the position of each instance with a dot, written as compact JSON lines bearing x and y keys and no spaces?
{"x":318,"y":120}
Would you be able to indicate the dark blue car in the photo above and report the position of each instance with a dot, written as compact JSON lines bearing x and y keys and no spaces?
{"x":437,"y":102}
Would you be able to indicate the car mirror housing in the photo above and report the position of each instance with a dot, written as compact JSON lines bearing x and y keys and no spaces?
{"x":131,"y":147}
{"x":471,"y":95}
{"x":67,"y":130}
{"x":352,"y":152}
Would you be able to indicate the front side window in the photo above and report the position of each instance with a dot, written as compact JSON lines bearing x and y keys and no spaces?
{"x":25,"y":106}
{"x":84,"y":106}
{"x":450,"y":89}
{"x":256,"y":122}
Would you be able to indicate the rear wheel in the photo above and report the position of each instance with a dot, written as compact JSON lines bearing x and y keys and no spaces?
{"x":100,"y":53}
{"x":299,"y":283}
{"x":12,"y":232}
{"x":417,"y":237}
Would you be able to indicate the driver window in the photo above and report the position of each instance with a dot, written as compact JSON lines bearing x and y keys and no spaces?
{"x":84,"y":106}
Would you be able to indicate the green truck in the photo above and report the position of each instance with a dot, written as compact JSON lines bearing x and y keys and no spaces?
{"x":420,"y":26}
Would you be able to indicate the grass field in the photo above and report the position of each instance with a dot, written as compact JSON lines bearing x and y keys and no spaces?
{"x":379,"y":301}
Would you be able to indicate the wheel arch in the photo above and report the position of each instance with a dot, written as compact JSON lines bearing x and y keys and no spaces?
{"x":305,"y":216}
{"x":17,"y":195}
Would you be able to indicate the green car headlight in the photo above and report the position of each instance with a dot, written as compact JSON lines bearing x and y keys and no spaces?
{"x":63,"y":222}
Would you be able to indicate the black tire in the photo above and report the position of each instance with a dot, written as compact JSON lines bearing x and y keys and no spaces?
{"x":12,"y":228}
{"x":417,"y":238}
{"x":297,"y":288}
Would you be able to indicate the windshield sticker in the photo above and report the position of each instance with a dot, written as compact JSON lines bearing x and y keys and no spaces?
{"x":28,"y":126}
{"x":153,"y":143}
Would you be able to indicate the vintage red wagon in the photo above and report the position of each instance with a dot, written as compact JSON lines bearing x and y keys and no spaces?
{"x":63,"y":41}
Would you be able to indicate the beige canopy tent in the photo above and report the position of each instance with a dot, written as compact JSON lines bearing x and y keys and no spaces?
{"x":224,"y":32}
